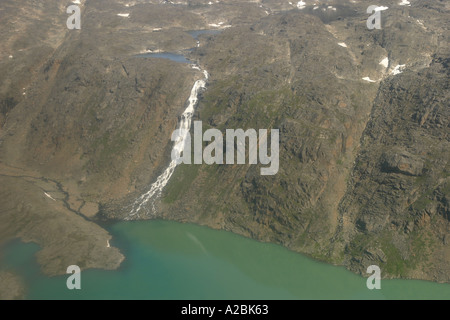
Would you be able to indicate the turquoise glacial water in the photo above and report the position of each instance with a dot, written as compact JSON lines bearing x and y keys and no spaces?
{"x":169,"y":260}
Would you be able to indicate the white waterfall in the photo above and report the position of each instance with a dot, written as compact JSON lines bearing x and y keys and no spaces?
{"x":185,"y":123}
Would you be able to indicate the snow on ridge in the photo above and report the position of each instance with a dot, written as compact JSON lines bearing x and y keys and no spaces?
{"x":219,"y":25}
{"x":381,"y":8}
{"x":368,"y":79}
{"x":49,"y":196}
{"x":146,"y":51}
{"x":420,"y":22}
{"x":398,"y":69}
{"x":301,"y":5}
{"x":385,"y":62}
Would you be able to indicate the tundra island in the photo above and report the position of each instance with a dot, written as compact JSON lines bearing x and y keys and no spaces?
{"x":87,"y":113}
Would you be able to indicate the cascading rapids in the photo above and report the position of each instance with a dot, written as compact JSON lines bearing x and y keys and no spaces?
{"x":185,"y":123}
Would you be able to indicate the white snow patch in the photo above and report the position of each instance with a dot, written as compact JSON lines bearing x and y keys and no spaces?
{"x":301,"y":5}
{"x":49,"y":196}
{"x":342,"y":44}
{"x":76,"y":2}
{"x":385,"y":62}
{"x":405,"y":3}
{"x":10,"y":56}
{"x":421,"y":24}
{"x":398,"y":69}
{"x":107,"y":244}
{"x":381,"y":8}
{"x":219,"y":25}
{"x":125,"y":15}
{"x":368,"y":79}
{"x":151,"y":51}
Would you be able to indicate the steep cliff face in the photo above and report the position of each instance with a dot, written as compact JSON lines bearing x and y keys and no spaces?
{"x":92,"y":114}
{"x":363,"y":173}
{"x":363,"y":119}
{"x":396,"y":210}
{"x":83,"y":121}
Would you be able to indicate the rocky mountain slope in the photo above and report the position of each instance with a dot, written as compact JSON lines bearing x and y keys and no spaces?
{"x":363,"y":165}
{"x":363,"y":118}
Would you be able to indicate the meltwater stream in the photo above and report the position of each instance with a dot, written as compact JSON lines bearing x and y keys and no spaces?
{"x":184,"y":124}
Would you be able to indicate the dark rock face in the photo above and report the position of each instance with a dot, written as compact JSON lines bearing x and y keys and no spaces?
{"x":402,"y":162}
{"x":363,"y":167}
{"x":364,"y":174}
{"x":396,"y":195}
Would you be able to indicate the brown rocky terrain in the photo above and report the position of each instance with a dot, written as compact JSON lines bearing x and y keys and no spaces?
{"x":364,"y":176}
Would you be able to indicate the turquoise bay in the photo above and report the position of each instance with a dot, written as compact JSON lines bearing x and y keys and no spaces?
{"x":169,"y":260}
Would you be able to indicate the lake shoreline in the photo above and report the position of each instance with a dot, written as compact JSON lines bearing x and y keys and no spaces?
{"x":158,"y":250}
